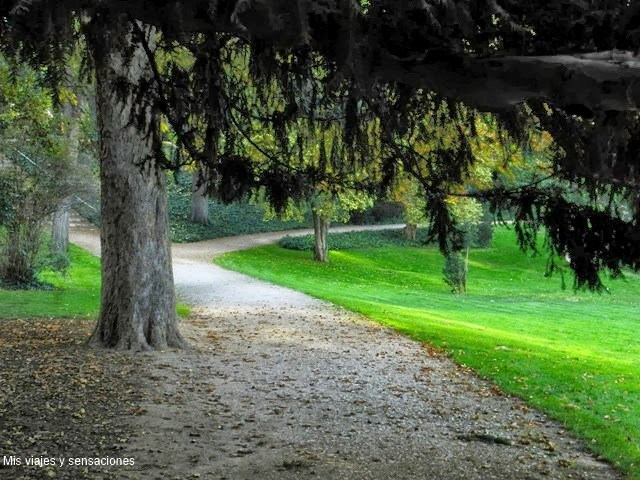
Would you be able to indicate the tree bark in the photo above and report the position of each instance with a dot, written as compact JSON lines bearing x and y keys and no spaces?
{"x":411,"y":231}
{"x":320,"y":245}
{"x":199,"y":201}
{"x":138,"y":307}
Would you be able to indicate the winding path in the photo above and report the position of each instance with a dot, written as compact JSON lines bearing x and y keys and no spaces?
{"x":283,"y":386}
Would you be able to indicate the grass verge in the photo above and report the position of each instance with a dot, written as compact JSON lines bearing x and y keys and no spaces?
{"x":575,"y":355}
{"x":75,"y":294}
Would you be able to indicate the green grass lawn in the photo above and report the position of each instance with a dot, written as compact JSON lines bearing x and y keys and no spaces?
{"x":574,"y":355}
{"x":76,"y":294}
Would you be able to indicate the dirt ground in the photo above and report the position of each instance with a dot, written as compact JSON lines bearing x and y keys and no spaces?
{"x":278,"y":385}
{"x":58,"y":398}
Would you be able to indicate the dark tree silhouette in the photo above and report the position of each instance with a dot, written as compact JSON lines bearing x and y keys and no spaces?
{"x":568,"y":67}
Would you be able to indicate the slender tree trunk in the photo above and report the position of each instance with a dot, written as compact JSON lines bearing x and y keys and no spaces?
{"x":199,"y":201}
{"x":60,"y":227}
{"x":320,"y":245}
{"x":60,"y":221}
{"x":411,"y":231}
{"x":138,"y":307}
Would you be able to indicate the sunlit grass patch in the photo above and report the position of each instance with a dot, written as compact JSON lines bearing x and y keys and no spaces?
{"x":75,"y":293}
{"x":576,"y":355}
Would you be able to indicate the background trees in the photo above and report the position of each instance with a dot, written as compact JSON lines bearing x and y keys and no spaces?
{"x":36,"y":174}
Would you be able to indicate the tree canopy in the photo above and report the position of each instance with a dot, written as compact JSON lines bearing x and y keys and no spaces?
{"x":567,"y":68}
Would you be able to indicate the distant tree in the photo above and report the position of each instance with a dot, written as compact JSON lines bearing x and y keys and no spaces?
{"x":410,"y":195}
{"x":466,"y":212}
{"x":199,"y":198}
{"x":327,"y":207}
{"x":71,"y":126}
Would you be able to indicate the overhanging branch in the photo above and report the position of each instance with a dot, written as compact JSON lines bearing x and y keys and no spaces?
{"x":602,"y":81}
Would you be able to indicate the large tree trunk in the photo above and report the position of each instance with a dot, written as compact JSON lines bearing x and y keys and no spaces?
{"x":411,"y":231}
{"x":199,"y":200}
{"x":320,"y":245}
{"x":138,"y":307}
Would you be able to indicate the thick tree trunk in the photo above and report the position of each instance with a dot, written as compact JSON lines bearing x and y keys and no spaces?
{"x":138,"y":308}
{"x":410,"y":231}
{"x":320,"y":245}
{"x":60,"y":227}
{"x":199,"y":200}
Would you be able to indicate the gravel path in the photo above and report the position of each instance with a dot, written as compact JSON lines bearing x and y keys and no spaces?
{"x":279,"y":385}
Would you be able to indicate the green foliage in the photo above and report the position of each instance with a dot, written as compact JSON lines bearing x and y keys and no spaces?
{"x":484,"y":229}
{"x":382,"y":212}
{"x":183,"y":310}
{"x":225,"y":220}
{"x":411,"y":196}
{"x":573,"y":354}
{"x":36,"y":173}
{"x":337,"y":207}
{"x":465,"y":210}
{"x":354,"y":240}
{"x":22,"y":221}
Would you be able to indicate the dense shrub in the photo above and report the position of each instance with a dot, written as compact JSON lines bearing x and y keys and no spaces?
{"x":383,"y":212}
{"x":455,"y":272}
{"x":224,"y":220}
{"x":29,"y":198}
{"x":353,"y":240}
{"x":38,"y":171}
{"x":483,"y":235}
